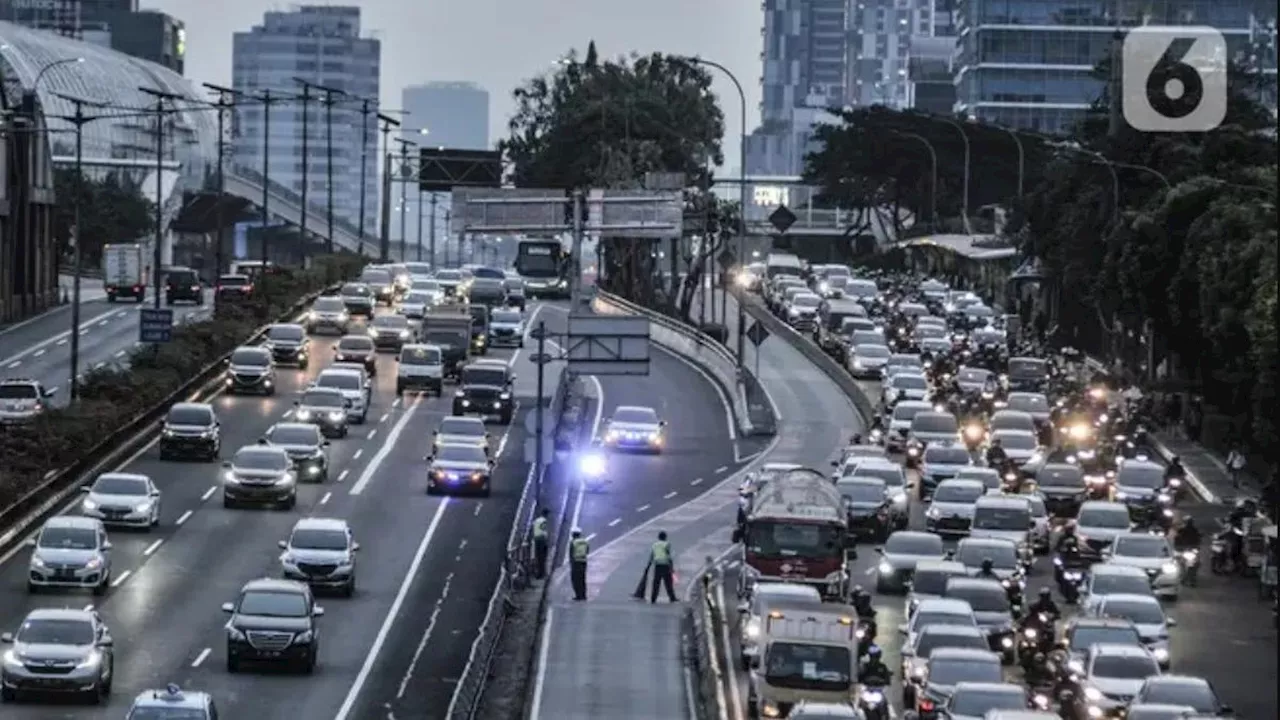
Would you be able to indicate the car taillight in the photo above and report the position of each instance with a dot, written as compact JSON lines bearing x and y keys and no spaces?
{"x":136,"y":288}
{"x":195,"y":287}
{"x":248,"y":288}
{"x":926,"y":705}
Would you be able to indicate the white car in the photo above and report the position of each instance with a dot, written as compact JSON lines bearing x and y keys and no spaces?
{"x":937,"y":611}
{"x":909,"y":385}
{"x":1153,"y":555}
{"x":893,"y":475}
{"x":1099,"y":523}
{"x":1019,"y":445}
{"x":353,"y":389}
{"x":1113,"y":674}
{"x":635,"y":428}
{"x":1107,"y":578}
{"x":802,"y":310}
{"x":867,"y":361}
{"x":1032,"y":403}
{"x":1146,"y":614}
{"x":903,"y":362}
{"x":1005,"y":559}
{"x":766,"y":600}
{"x":125,"y":499}
{"x":1041,"y":528}
{"x":952,"y":507}
{"x":506,"y":328}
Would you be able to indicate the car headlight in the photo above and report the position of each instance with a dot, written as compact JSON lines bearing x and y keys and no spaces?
{"x":234,"y":633}
{"x":93,"y":564}
{"x":90,"y":505}
{"x":404,"y":334}
{"x":230,"y":477}
{"x":899,"y":497}
{"x":1122,"y":496}
{"x":933,"y":513}
{"x":93,"y":659}
{"x":770,"y":710}
{"x":37,"y":561}
{"x":459,"y":393}
{"x":1169,"y":568}
{"x":885,"y":568}
{"x":753,"y":629}
{"x":144,"y":506}
{"x":303,"y":415}
{"x":336,"y":416}
{"x":1161,"y":654}
{"x":1093,"y":694}
{"x":373,"y":332}
{"x":504,"y":396}
{"x":1164,"y":498}
{"x":11,"y":658}
{"x":1030,"y":633}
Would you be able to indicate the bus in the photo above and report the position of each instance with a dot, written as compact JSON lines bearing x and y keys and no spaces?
{"x":543,"y":265}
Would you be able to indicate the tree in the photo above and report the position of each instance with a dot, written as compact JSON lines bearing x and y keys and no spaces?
{"x":112,"y":210}
{"x":594,"y":124}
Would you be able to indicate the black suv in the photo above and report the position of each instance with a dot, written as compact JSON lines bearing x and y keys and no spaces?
{"x":191,"y":430}
{"x":233,"y":289}
{"x":484,"y":389}
{"x":273,"y":621}
{"x":182,"y":284}
{"x":289,"y":344}
{"x":249,"y":371}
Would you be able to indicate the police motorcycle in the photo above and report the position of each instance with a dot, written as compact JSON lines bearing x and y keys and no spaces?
{"x":1069,"y":565}
{"x":1035,"y":638}
{"x":867,"y":628}
{"x":593,"y":469}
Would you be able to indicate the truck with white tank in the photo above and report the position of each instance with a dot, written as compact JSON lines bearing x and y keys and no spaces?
{"x":122,"y":272}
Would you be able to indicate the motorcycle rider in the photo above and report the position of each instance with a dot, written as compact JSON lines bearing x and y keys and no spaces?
{"x":1044,"y":604}
{"x":1188,"y":536}
{"x":1174,"y":469}
{"x":856,"y":439}
{"x":996,"y":456}
{"x":861,"y":601}
{"x":1067,"y":540}
{"x":873,"y":671}
{"x":988,"y":570}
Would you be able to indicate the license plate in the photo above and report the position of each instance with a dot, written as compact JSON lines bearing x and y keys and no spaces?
{"x":64,"y":575}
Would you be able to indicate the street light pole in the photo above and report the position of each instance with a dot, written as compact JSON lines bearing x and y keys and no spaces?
{"x":156,"y":274}
{"x":266,"y":100}
{"x":306,"y":155}
{"x":384,"y":210}
{"x":79,"y":122}
{"x":226,"y":101}
{"x":420,"y":207}
{"x":404,"y":193}
{"x":432,"y":239}
{"x":965,"y":139}
{"x":933,"y":187}
{"x":366,"y":108}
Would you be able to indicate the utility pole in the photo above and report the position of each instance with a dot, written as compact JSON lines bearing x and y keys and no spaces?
{"x":226,"y":101}
{"x":432,"y":240}
{"x":404,"y":193}
{"x":328,"y":163}
{"x":1115,"y":108}
{"x":79,"y":120}
{"x":420,"y":207}
{"x":384,"y":214}
{"x":366,"y":108}
{"x":266,"y":99}
{"x":306,"y":155}
{"x":575,"y":258}
{"x":156,"y":274}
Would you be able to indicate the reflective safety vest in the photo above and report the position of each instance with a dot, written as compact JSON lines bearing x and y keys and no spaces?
{"x":662,"y":553}
{"x":540,"y":528}
{"x":578,"y":550}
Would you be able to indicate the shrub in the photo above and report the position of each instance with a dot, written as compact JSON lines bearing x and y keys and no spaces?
{"x":111,"y":397}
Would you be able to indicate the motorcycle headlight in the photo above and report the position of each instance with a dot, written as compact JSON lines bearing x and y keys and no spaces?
{"x":1175,"y":482}
{"x":1030,"y":633}
{"x":1093,"y":694}
{"x":1075,"y":666}
{"x":459,"y":393}
{"x":1189,"y":556}
{"x":885,"y":568}
{"x":1161,"y":654}
{"x":753,"y":629}
{"x":404,"y":334}
{"x":872,"y":697}
{"x":1164,"y":498}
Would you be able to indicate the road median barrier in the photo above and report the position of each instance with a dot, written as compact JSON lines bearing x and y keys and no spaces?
{"x":703,"y":620}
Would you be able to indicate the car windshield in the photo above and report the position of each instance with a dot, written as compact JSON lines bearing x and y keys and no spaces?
{"x":1038,"y":509}
{"x":1067,"y":476}
{"x":391,"y":322}
{"x":1018,"y":441}
{"x":1110,"y":518}
{"x":836,"y":281}
{"x":323,"y":400}
{"x":871,"y":351}
{"x":906,"y":361}
{"x":973,"y":376}
{"x":1193,"y":695}
{"x":1001,"y":518}
{"x":489,"y":273}
{"x":1150,"y":477}
{"x":328,"y":304}
{"x":426,"y":285}
{"x":807,"y":301}
{"x":56,"y":632}
{"x":120,"y":485}
{"x":907,"y":412}
{"x":779,"y":539}
{"x":976,"y":703}
{"x":935,"y":423}
{"x":18,"y":391}
{"x":252,"y":357}
{"x":508,"y":317}
{"x":1013,"y":420}
{"x":922,"y":544}
{"x":273,"y":604}
{"x":295,"y":435}
{"x":1142,"y":546}
{"x":376,"y":277}
{"x":260,"y":459}
{"x":339,"y":380}
{"x":233,"y":281}
{"x":931,"y":332}
{"x":950,"y":672}
{"x":420,"y":356}
{"x":1125,"y":667}
{"x":287,"y":333}
{"x":1110,"y":583}
{"x":352,"y":290}
{"x":861,"y":492}
{"x":981,"y":599}
{"x":1003,"y":555}
{"x":1139,"y":613}
{"x":891,"y":475}
{"x":804,"y":664}
{"x":462,"y":454}
{"x":639,"y":416}
{"x":909,"y":382}
{"x":355,"y":344}
{"x":930,"y":641}
{"x":925,"y":618}
{"x":316,"y":539}
{"x":484,"y":376}
{"x":1028,"y":368}
{"x":190,"y":416}
{"x":946,"y":456}
{"x":1028,"y":403}
{"x":1086,"y":635}
{"x":449,"y":275}
{"x":68,"y":538}
{"x":417,"y":297}
{"x":932,"y":582}
{"x":465,"y":427}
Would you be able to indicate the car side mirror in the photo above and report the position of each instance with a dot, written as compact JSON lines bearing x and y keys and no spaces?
{"x":902,"y":628}
{"x":324,"y":443}
{"x":226,"y":463}
{"x":155,"y":493}
{"x":662,"y":423}
{"x":226,"y":361}
{"x":106,"y":642}
{"x":50,"y":393}
{"x":835,"y":463}
{"x":296,"y":403}
{"x":282,"y":545}
{"x":29,"y":542}
{"x":355,"y":546}
{"x":430,"y":458}
{"x":107,"y":545}
{"x":880,"y":550}
{"x":228,"y":607}
{"x":744,"y":607}
{"x":6,"y":638}
{"x":1226,"y":710}
{"x":1171,"y":622}
{"x":737,"y":536}
{"x":317,"y":611}
{"x":85,"y":489}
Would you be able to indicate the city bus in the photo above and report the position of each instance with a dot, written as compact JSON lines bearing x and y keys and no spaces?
{"x":543,"y":265}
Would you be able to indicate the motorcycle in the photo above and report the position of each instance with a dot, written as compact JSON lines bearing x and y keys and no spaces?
{"x":1190,"y":560}
{"x":866,"y":635}
{"x":1221,"y":561}
{"x":1013,"y":590}
{"x":873,"y":704}
{"x":1069,"y":579}
{"x":593,"y":469}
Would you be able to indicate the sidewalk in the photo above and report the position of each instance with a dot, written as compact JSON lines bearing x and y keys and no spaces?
{"x":90,"y":288}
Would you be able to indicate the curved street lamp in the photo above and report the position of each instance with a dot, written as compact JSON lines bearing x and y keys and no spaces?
{"x":51,"y":65}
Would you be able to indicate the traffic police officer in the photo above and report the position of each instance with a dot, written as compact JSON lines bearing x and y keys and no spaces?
{"x":540,"y":544}
{"x":663,"y":570}
{"x":578,"y":551}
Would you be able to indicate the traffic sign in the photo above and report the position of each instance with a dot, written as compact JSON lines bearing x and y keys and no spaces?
{"x":757,"y":334}
{"x":726,"y":259}
{"x":155,"y":325}
{"x":782,"y":219}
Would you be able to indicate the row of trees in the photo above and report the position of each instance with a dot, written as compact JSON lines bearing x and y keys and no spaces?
{"x":593,"y":123}
{"x":1188,"y":256}
{"x":112,"y":209}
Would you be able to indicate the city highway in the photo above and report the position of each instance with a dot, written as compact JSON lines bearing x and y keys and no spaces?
{"x":1219,"y":621}
{"x":418,"y":554}
{"x":40,"y":348}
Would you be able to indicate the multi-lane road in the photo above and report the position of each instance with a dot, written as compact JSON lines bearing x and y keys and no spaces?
{"x":40,"y":348}
{"x":427,"y":567}
{"x":1224,"y":633}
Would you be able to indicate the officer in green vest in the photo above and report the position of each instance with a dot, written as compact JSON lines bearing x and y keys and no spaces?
{"x":540,"y":542}
{"x":578,"y":551}
{"x":663,"y":569}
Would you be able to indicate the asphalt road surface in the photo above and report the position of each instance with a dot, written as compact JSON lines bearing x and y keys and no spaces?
{"x":41,"y":347}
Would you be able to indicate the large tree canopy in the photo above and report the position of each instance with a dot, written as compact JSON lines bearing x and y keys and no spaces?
{"x":112,"y":210}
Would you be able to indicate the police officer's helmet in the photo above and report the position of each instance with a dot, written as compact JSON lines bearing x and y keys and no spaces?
{"x":988,"y":565}
{"x":873,"y":652}
{"x":1045,"y":593}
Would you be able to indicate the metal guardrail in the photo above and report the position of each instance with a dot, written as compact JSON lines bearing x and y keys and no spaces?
{"x":703,"y":618}
{"x":691,"y":343}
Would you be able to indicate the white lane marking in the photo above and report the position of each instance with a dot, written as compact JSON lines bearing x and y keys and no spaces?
{"x":343,"y":475}
{"x":119,"y":580}
{"x":372,"y":434}
{"x":395,"y":403}
{"x":669,"y":495}
{"x":208,"y":493}
{"x":696,"y":482}
{"x":426,"y":636}
{"x":122,"y":353}
{"x":642,"y":508}
{"x":63,"y":341}
{"x":153,"y":547}
{"x":721,"y":469}
{"x":384,"y":417}
{"x":325,"y":499}
{"x":728,"y":658}
{"x":39,"y":352}
{"x":357,"y":454}
{"x":14,"y":364}
{"x":739,"y":459}
{"x":367,"y":476}
{"x":371,"y":658}
{"x":590,"y":537}
{"x":544,"y":649}
{"x":720,"y":393}
{"x":479,"y":507}
{"x":870,"y":571}
{"x":103,"y":323}
{"x":85,"y":331}
{"x":60,"y":338}
{"x":614,"y":522}
{"x":204,"y":655}
{"x":183,"y":518}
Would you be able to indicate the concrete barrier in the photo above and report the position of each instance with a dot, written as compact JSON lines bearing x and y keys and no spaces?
{"x":687,"y":342}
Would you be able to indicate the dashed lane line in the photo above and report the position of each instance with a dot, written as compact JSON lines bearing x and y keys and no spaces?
{"x":669,"y":495}
{"x":614,"y":522}
{"x":722,"y":469}
{"x":324,"y":500}
{"x":642,"y":508}
{"x":208,"y":493}
{"x":358,"y":453}
{"x":119,"y":580}
{"x":204,"y":655}
{"x":152,"y":548}
{"x":696,"y":482}
{"x":343,"y":475}
{"x":38,"y":353}
{"x":183,"y":518}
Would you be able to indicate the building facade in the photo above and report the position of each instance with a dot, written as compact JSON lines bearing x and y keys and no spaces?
{"x":454,"y":114}
{"x":149,"y":35}
{"x":321,"y":45}
{"x":1031,"y":63}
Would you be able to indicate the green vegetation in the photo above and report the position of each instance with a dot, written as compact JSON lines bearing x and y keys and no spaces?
{"x":112,"y":210}
{"x":111,"y":397}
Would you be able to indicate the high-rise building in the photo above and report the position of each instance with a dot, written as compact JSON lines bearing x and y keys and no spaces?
{"x":454,"y":114}
{"x":149,"y":35}
{"x":117,"y":24}
{"x":1031,"y":64}
{"x":321,"y":45}
{"x":882,"y":33}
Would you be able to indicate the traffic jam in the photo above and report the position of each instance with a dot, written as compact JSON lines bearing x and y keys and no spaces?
{"x":1010,"y":503}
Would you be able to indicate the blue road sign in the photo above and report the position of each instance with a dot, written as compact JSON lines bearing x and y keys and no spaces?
{"x":155,"y":325}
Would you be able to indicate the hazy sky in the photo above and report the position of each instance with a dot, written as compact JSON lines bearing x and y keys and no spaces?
{"x":499,"y":43}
